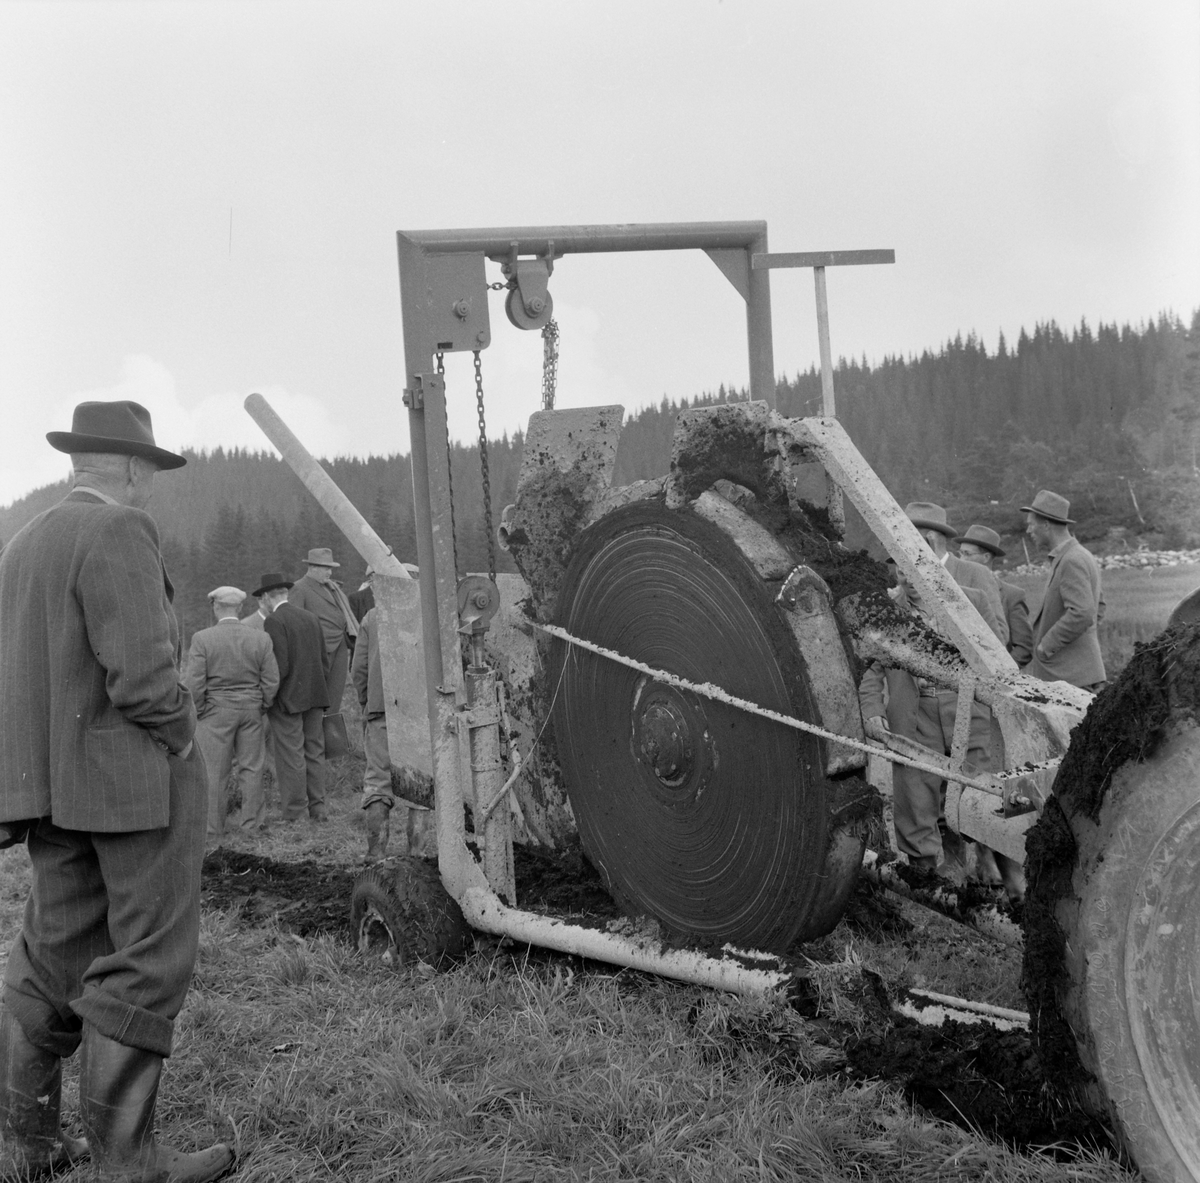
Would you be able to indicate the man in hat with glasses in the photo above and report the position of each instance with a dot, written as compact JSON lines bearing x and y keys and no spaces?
{"x":982,"y":545}
{"x":100,"y":776}
{"x":316,"y":592}
{"x":1066,"y":641}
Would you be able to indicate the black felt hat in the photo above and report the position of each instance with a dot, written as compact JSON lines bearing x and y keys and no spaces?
{"x":122,"y":427}
{"x":270,"y":581}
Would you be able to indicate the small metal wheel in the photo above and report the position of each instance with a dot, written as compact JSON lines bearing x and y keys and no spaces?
{"x":522,"y":318}
{"x":400,"y":913}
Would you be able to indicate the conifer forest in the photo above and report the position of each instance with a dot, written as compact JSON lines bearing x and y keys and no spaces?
{"x":1108,"y":416}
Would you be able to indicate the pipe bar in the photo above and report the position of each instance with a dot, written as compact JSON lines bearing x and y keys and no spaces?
{"x":484,"y":911}
{"x":321,"y":485}
{"x":593,"y":239}
{"x":765,"y":262}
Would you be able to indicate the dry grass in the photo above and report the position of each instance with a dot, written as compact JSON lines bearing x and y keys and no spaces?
{"x":1138,"y":603}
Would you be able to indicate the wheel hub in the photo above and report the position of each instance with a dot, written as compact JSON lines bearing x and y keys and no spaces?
{"x":670,"y":737}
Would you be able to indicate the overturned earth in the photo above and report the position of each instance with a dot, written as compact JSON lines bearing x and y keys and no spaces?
{"x":984,"y":1080}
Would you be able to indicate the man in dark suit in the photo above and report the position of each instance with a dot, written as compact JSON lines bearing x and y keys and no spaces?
{"x":1066,"y":639}
{"x":297,"y":717}
{"x":100,"y":777}
{"x":982,"y":545}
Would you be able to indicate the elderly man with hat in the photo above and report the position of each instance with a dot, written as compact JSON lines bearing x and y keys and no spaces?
{"x":894,"y":700}
{"x":100,"y":777}
{"x":299,"y":708}
{"x":233,"y":677}
{"x":982,"y":545}
{"x":316,"y":592}
{"x":1066,"y":641}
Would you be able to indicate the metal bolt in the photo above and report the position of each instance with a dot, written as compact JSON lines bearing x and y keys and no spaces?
{"x":482,"y":599}
{"x":481,"y":337}
{"x":461,"y":308}
{"x":536,"y":305}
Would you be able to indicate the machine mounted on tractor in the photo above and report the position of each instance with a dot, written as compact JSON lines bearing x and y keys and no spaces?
{"x":671,"y":680}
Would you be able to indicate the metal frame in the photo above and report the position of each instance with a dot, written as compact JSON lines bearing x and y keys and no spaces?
{"x":443,"y":291}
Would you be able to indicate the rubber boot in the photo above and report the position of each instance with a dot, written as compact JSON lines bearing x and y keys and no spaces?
{"x":377,"y":830}
{"x":118,"y":1089}
{"x":31,"y":1142}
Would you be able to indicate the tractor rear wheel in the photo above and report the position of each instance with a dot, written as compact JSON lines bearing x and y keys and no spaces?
{"x":1113,"y":920}
{"x":401,"y":913}
{"x":717,"y":822}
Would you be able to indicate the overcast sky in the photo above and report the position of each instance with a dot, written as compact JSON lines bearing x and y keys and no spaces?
{"x":198,"y":200}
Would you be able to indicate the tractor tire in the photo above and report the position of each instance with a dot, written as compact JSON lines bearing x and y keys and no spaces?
{"x":1113,"y":918}
{"x":401,"y":913}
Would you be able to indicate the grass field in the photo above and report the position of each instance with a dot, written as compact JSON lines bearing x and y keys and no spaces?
{"x":518,"y":1065}
{"x":1137,"y":604}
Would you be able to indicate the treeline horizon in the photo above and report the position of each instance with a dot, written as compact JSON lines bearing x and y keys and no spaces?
{"x":1109,"y":417}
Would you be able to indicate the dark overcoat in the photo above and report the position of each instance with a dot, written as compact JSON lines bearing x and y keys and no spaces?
{"x":301,"y":657}
{"x":90,"y":696}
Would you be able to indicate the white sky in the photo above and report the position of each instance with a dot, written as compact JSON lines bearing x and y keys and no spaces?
{"x":1027,"y":159}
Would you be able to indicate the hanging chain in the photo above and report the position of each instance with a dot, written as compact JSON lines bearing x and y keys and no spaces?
{"x":441,"y":369}
{"x":549,"y":364}
{"x":483,"y":471}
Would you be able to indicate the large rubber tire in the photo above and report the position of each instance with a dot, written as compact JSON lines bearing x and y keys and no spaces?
{"x":401,"y":913}
{"x":714,"y":821}
{"x":1123,"y":889}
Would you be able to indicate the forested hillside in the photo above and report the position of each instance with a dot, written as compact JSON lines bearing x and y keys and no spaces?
{"x":1110,"y":417}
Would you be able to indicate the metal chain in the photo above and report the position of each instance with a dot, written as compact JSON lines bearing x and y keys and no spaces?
{"x":441,"y":369}
{"x":483,"y":471}
{"x":549,"y":364}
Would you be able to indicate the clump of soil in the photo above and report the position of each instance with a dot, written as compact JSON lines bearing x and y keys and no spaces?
{"x":977,"y":1077}
{"x":561,"y":881}
{"x":305,"y":898}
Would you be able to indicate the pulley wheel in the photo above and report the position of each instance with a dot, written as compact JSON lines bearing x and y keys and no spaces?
{"x":523,"y":318}
{"x":708,"y":818}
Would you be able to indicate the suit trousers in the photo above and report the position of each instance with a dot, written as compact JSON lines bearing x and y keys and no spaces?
{"x":233,"y":740}
{"x":299,"y":759}
{"x":919,"y":798}
{"x":377,"y":778}
{"x":111,"y":926}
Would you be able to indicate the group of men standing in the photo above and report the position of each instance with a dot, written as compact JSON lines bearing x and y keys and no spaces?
{"x":1060,"y":642}
{"x":262,"y":687}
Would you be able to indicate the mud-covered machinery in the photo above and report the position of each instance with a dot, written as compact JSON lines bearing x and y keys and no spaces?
{"x":672,"y":678}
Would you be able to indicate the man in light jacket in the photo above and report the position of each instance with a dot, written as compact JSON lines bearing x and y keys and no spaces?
{"x":1066,"y":640}
{"x":233,"y":677}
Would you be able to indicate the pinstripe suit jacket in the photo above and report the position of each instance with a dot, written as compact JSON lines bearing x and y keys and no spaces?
{"x":90,"y":696}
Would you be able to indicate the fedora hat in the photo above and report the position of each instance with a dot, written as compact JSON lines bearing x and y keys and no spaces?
{"x":1051,"y":506}
{"x":982,"y":536}
{"x":927,"y":516}
{"x":321,"y":556}
{"x":122,"y":427}
{"x":270,"y":582}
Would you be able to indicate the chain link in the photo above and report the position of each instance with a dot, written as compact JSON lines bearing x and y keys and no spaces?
{"x":483,"y":471}
{"x":441,"y":369}
{"x":549,"y":364}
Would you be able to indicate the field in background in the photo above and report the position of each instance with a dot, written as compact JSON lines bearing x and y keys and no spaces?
{"x":1138,"y":603}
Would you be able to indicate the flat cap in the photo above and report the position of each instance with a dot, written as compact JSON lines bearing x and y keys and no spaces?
{"x":227,"y":595}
